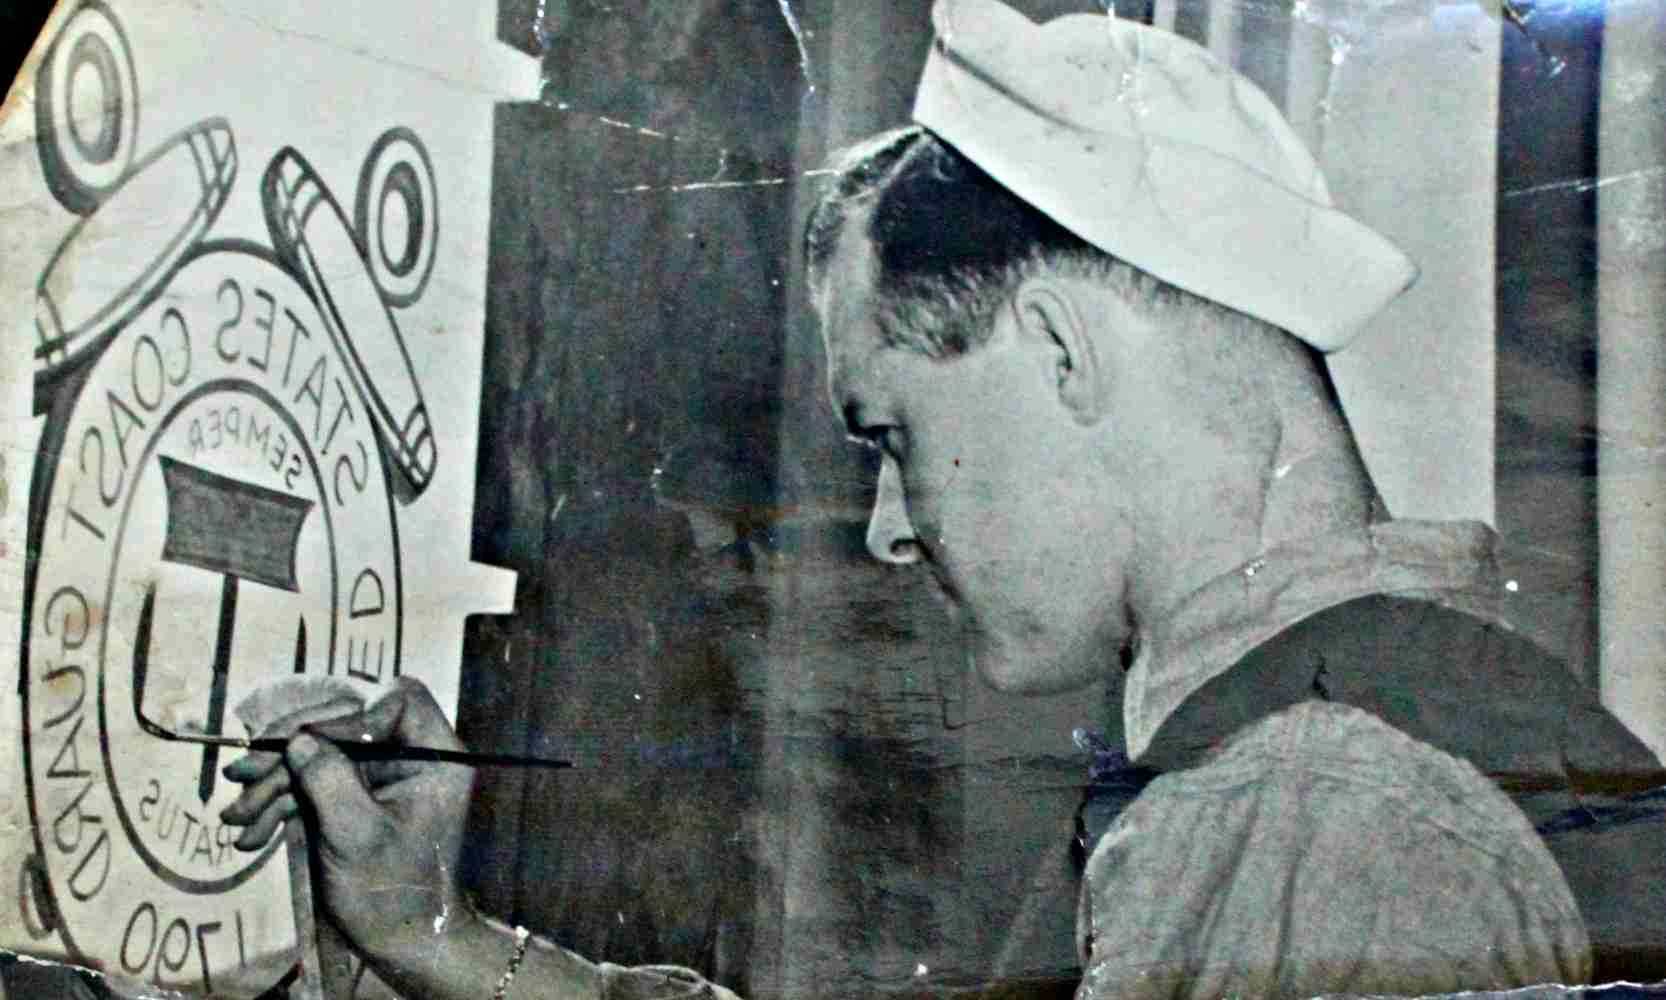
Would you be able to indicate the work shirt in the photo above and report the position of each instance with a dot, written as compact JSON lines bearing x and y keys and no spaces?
{"x":1335,"y":724}
{"x":1319,"y":852}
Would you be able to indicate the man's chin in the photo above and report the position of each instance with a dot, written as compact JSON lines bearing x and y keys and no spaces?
{"x":1017,"y":672}
{"x":1021,"y":671}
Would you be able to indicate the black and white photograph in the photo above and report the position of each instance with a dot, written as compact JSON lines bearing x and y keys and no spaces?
{"x":815,"y":499}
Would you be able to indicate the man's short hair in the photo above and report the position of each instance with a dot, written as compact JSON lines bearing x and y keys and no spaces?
{"x":952,"y":245}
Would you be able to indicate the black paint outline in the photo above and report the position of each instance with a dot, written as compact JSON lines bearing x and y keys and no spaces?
{"x":368,"y":226}
{"x":70,"y":190}
{"x":96,"y":332}
{"x":32,"y":887}
{"x":286,"y":222}
{"x":91,"y":48}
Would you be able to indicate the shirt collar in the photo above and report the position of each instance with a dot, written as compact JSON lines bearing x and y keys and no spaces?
{"x":1209,"y":630}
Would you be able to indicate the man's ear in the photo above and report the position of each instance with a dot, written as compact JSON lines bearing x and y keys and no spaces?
{"x":1048,"y":312}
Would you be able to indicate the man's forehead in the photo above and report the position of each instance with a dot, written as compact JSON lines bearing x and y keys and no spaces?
{"x":845,"y":308}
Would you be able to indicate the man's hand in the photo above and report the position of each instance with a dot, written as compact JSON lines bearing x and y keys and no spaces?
{"x":386,"y":833}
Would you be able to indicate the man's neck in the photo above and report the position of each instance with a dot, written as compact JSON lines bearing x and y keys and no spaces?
{"x":1316,"y":492}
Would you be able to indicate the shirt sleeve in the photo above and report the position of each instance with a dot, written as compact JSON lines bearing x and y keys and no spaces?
{"x":657,"y":982}
{"x":1322,"y":851}
{"x":639,"y":982}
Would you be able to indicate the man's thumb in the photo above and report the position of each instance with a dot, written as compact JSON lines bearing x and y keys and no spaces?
{"x":330,"y":783}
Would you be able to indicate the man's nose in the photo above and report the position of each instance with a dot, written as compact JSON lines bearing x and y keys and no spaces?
{"x":891,"y":536}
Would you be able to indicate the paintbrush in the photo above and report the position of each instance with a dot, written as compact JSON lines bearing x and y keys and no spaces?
{"x":366,"y":750}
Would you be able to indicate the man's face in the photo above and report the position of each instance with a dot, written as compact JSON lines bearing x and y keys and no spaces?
{"x":988,"y":480}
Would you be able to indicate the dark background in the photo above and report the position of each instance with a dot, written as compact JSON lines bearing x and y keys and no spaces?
{"x":800,"y":791}
{"x":20,"y":22}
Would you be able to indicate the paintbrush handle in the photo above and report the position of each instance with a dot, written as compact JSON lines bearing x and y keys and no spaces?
{"x":380,"y":750}
{"x":371,"y":750}
{"x":384,"y":750}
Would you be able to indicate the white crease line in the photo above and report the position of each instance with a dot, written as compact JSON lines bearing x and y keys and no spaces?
{"x":1582,"y":185}
{"x":719,"y":185}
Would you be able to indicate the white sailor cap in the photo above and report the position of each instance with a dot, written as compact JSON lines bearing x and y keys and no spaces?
{"x":1144,"y":145}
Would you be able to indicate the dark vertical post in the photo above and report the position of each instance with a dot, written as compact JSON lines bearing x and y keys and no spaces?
{"x":1549,"y":82}
{"x":627,"y":460}
{"x":217,"y":686}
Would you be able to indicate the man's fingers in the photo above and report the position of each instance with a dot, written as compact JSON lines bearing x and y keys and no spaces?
{"x":423,"y":723}
{"x":380,"y":773}
{"x":408,"y":714}
{"x":256,"y":797}
{"x":285,"y":726}
{"x":374,"y":724}
{"x":252,"y":766}
{"x":255,"y":836}
{"x":348,"y":818}
{"x":257,"y":764}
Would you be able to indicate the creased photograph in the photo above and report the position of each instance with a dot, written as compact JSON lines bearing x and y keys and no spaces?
{"x":534,"y":499}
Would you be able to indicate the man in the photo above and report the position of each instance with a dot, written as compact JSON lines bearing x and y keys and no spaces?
{"x":1080,"y":311}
